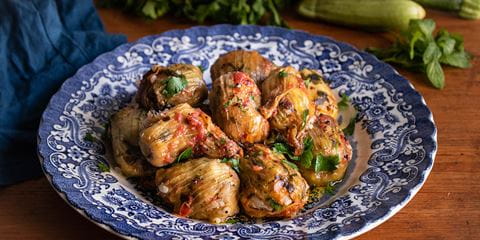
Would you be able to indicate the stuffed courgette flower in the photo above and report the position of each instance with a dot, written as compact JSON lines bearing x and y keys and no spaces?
{"x":249,"y":62}
{"x":164,"y":87}
{"x":169,"y":133}
{"x":125,"y":126}
{"x":271,"y":187}
{"x":287,"y":106}
{"x":203,"y":188}
{"x":234,"y":102}
{"x":320,"y":93}
{"x":329,"y":144}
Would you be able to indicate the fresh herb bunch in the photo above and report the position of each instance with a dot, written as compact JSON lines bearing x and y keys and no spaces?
{"x":222,"y":11}
{"x":419,"y":50}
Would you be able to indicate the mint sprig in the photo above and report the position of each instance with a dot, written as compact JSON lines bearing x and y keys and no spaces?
{"x":418,"y":49}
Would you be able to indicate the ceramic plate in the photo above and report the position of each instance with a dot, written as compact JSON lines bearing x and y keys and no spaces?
{"x":394,"y":141}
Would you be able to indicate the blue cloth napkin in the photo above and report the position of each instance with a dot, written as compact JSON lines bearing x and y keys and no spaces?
{"x":42,"y":43}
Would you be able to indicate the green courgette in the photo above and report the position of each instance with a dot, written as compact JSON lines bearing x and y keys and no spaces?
{"x":371,"y":15}
{"x":469,"y":9}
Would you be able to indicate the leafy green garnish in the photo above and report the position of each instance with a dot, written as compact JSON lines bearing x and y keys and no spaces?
{"x":344,"y":102}
{"x":283,"y":148}
{"x":329,"y":189}
{"x":326,"y":163}
{"x":233,"y":162}
{"x":290,"y":164}
{"x":350,"y":128}
{"x":232,"y":221}
{"x":89,"y":137}
{"x":274,"y":205}
{"x":201,"y":68}
{"x":186,"y":154}
{"x":174,"y":85}
{"x":307,"y":155}
{"x":223,"y":11}
{"x":227,"y":103}
{"x":282,"y":74}
{"x":419,"y":50}
{"x":103,"y":167}
{"x":304,"y":117}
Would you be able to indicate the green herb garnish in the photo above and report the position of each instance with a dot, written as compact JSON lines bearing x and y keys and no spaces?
{"x":292,"y":165}
{"x":103,"y":167}
{"x":186,"y":154}
{"x":221,"y":11}
{"x":283,"y":148}
{"x":282,"y":74}
{"x":419,"y":50}
{"x":344,"y":102}
{"x":227,"y":103}
{"x":329,"y":189}
{"x":201,"y":68}
{"x":274,"y":205}
{"x":307,"y":155}
{"x":233,"y":162}
{"x":326,"y":163}
{"x":232,"y":221}
{"x":89,"y":137}
{"x":174,"y":85}
{"x":350,"y":128}
{"x":304,"y":117}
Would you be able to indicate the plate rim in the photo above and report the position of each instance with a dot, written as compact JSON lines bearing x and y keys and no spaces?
{"x":367,"y":226}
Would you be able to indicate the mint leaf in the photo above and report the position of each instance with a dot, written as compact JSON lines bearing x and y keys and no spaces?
{"x":435,"y":74}
{"x":186,"y":154}
{"x":446,"y":44}
{"x":425,"y":26}
{"x":457,"y":59}
{"x":432,"y":53}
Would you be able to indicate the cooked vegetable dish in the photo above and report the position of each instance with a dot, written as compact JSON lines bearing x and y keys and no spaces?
{"x":267,"y":141}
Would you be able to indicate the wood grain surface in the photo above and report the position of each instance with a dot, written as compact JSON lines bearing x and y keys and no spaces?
{"x":447,"y":207}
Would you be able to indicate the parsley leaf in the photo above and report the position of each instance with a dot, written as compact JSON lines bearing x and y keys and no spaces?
{"x":284,"y":149}
{"x":227,"y":103}
{"x":103,"y":167}
{"x":350,"y":128}
{"x":282,"y":74}
{"x":326,"y":163}
{"x":307,"y":155}
{"x":344,"y":102}
{"x":329,"y":189}
{"x":186,"y":154}
{"x":174,"y":85}
{"x":290,"y":164}
{"x":232,"y":221}
{"x":233,"y":162}
{"x":274,"y":205}
{"x":89,"y":137}
{"x":305,"y":117}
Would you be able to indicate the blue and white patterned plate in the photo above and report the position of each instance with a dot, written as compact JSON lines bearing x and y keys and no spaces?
{"x":394,"y":142}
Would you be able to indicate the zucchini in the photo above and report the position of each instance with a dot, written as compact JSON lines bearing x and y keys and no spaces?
{"x":469,"y":9}
{"x":373,"y":15}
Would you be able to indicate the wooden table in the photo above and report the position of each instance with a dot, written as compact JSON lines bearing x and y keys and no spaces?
{"x":447,"y":207}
